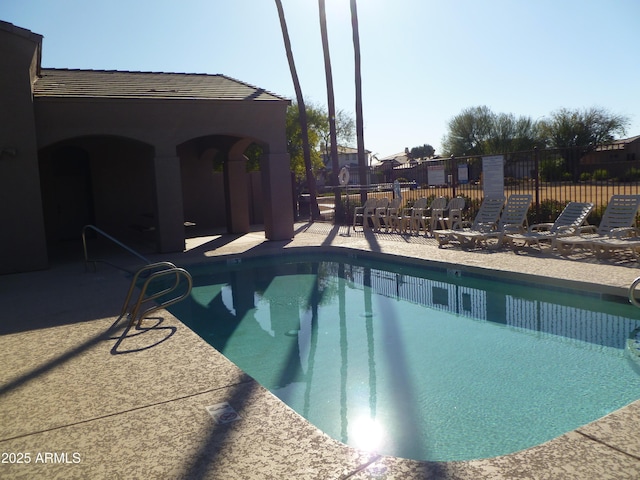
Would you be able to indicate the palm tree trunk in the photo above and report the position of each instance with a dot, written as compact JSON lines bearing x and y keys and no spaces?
{"x":331,"y":107}
{"x":362,"y":160}
{"x":306,"y":150}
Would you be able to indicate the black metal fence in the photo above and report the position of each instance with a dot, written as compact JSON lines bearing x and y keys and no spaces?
{"x":553,"y":176}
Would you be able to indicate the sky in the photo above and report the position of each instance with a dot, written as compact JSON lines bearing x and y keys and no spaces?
{"x":423,"y":61}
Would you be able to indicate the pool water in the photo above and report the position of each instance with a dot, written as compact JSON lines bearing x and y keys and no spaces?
{"x":413,"y":362}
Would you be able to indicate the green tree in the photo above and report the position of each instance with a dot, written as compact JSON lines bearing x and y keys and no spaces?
{"x":345,"y":131}
{"x":511,"y":134}
{"x":576,"y":131}
{"x":468,"y":132}
{"x":316,"y":124}
{"x":318,"y":134}
{"x":254,"y":154}
{"x":424,"y":151}
{"x":581,"y":128}
{"x":479,"y":131}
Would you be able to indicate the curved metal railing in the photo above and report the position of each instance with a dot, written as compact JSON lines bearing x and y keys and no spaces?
{"x":162,"y":269}
{"x":152,"y":273}
{"x":632,"y":288}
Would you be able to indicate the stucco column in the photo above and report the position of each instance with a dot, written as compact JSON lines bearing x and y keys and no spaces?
{"x":277,"y":196}
{"x":168,"y":204}
{"x":236,"y":193}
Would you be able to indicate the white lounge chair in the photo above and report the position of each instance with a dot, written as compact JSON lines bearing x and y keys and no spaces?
{"x":570,"y":219}
{"x":513,"y":219}
{"x":617,"y":221}
{"x":486,"y":220}
{"x":605,"y":247}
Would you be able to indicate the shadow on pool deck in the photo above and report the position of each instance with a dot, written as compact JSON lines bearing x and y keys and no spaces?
{"x":84,"y":401}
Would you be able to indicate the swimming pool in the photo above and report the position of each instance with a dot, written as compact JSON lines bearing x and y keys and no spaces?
{"x":414,"y":362}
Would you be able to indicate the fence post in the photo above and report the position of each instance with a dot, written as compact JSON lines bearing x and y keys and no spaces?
{"x":536,"y":172}
{"x":454,"y":176}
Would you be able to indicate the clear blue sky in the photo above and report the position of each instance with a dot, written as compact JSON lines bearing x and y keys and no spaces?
{"x":423,"y":61}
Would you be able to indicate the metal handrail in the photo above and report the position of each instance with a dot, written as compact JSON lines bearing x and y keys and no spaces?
{"x":165,"y":269}
{"x":632,"y":297}
{"x":109,"y":237}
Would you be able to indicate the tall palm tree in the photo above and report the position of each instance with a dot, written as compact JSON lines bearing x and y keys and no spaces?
{"x":362,"y":160}
{"x":306,"y":149}
{"x":331,"y":107}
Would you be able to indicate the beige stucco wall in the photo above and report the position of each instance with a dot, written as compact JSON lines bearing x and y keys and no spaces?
{"x":171,"y":127}
{"x":141,"y":167}
{"x":165,"y":124}
{"x":22,"y":239}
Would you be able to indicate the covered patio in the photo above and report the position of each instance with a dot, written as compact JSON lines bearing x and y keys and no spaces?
{"x":141,"y":155}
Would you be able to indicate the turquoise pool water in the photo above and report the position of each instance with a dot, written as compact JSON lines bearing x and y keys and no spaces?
{"x":413,"y":362}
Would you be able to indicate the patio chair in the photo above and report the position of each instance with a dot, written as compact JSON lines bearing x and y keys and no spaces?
{"x":387,"y":216}
{"x":513,"y":219}
{"x":370,"y":215}
{"x":450,"y":215}
{"x":486,"y":220}
{"x":358,"y":212}
{"x":425,"y":219}
{"x":617,"y":221}
{"x":570,"y":219}
{"x":411,"y":215}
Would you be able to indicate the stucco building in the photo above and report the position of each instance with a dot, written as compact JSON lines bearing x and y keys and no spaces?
{"x":131,"y":153}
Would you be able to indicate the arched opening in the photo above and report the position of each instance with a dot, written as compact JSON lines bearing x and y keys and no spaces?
{"x":67,"y":193}
{"x":221,"y":183}
{"x":100,"y":180}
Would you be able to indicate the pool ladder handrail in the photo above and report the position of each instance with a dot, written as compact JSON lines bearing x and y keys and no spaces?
{"x":632,"y":297}
{"x":87,"y":260}
{"x":165,"y":269}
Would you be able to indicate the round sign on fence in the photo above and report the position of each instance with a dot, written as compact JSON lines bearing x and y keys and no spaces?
{"x":343,"y":176}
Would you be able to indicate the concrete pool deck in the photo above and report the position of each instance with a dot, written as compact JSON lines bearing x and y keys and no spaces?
{"x":78,"y":399}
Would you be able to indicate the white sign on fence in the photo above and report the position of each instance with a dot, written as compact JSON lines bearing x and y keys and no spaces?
{"x":436,"y":175}
{"x":493,"y":176}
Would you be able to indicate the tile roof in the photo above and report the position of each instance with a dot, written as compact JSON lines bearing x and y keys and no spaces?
{"x":23,"y":32}
{"x":69,"y":83}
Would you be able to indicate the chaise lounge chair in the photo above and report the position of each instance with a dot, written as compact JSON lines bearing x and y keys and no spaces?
{"x":486,"y":220}
{"x":604,"y":247}
{"x":617,"y":221}
{"x":570,"y":219}
{"x":513,"y":219}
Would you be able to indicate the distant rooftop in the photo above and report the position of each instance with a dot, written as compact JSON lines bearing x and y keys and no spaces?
{"x":70,"y":83}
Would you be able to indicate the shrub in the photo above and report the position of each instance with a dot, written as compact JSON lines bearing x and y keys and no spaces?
{"x":600,"y":174}
{"x":549,"y":211}
{"x":631,"y":175}
{"x":551,"y":169}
